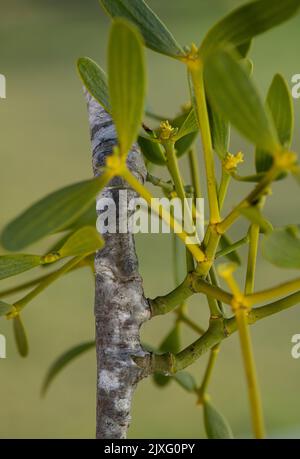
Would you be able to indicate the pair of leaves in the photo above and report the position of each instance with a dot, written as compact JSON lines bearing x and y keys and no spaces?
{"x":82,"y":242}
{"x":236,"y":29}
{"x":282,"y":247}
{"x":280,"y":104}
{"x":53,"y":213}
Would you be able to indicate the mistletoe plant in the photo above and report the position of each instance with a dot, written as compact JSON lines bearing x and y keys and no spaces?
{"x":222,"y":93}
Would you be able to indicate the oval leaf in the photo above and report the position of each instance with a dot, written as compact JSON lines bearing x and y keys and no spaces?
{"x":153,"y":151}
{"x":95,"y":81}
{"x":189,"y":125}
{"x":216,"y":426}
{"x":280,"y":104}
{"x":127,"y":82}
{"x":237,"y":99}
{"x":246,"y":22}
{"x":155,"y":33}
{"x":20,"y":337}
{"x":52,"y":213}
{"x":84,"y":241}
{"x":186,"y":381}
{"x":186,"y":141}
{"x":66,"y":358}
{"x":282,"y":247}
{"x":11,"y":265}
{"x":220,"y":132}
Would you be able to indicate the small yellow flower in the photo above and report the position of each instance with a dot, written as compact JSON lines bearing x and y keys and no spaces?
{"x":167,"y":131}
{"x":231,"y":162}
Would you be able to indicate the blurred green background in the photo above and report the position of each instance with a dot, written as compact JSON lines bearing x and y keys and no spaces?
{"x":45,"y":145}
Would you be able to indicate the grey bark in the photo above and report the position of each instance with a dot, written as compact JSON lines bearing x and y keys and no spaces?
{"x":120,"y":305}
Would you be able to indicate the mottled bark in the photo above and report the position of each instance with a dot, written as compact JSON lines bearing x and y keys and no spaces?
{"x":120,"y":305}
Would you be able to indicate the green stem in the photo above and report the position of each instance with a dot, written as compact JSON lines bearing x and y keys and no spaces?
{"x":215,"y":310}
{"x":233,"y":247}
{"x":245,"y":339}
{"x":191,"y":285}
{"x":248,"y":201}
{"x":274,"y":292}
{"x":251,"y":376}
{"x":19,"y":305}
{"x":252,"y":258}
{"x":173,"y":167}
{"x":176,"y":227}
{"x":219,"y":329}
{"x":195,"y":173}
{"x":250,"y":178}
{"x":166,"y":186}
{"x":196,"y":72}
{"x":202,"y":391}
{"x":225,"y":181}
{"x":182,"y":317}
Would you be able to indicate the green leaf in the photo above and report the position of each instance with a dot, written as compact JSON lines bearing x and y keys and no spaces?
{"x":186,"y":381}
{"x":20,"y":336}
{"x":63,"y":361}
{"x":95,"y":81}
{"x":184,"y":143}
{"x":254,"y":215}
{"x":216,"y":426}
{"x":220,"y":132}
{"x":4,"y":308}
{"x":84,"y":241}
{"x":11,"y":265}
{"x":88,"y":218}
{"x":127,"y":81}
{"x":232,"y":256}
{"x":170,"y":344}
{"x":233,"y":95}
{"x":282,"y":247}
{"x":52,"y":213}
{"x":280,"y":104}
{"x":189,"y":125}
{"x":248,"y":21}
{"x":153,"y":151}
{"x":156,"y":35}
